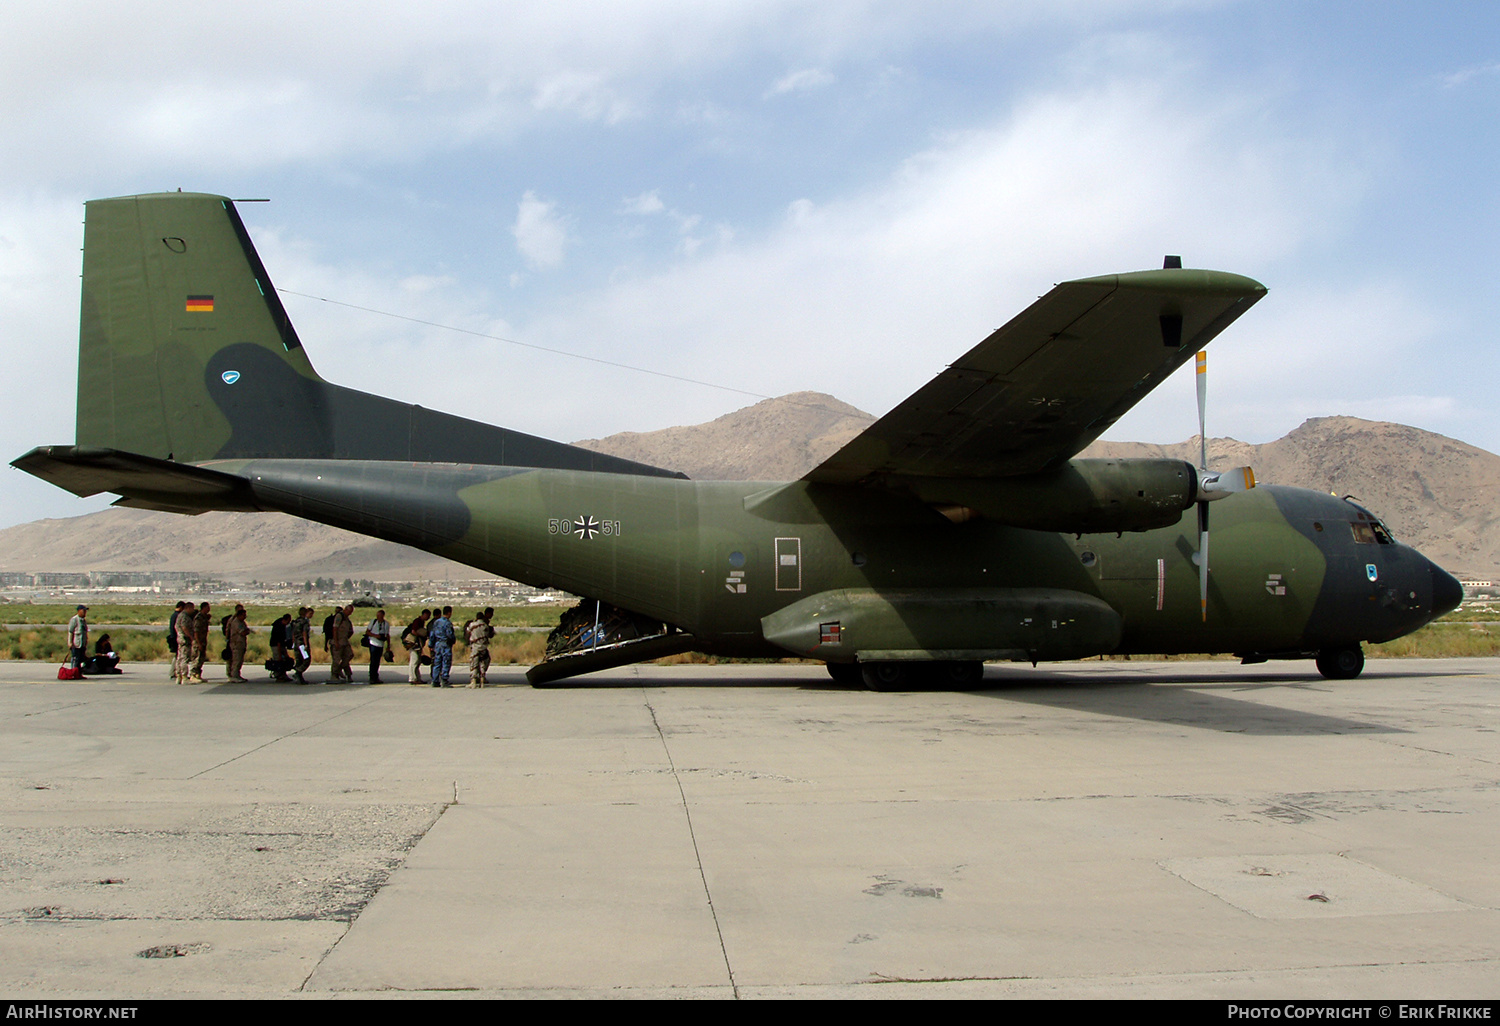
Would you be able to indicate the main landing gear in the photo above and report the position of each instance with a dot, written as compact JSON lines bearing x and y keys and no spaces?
{"x":910,"y":676}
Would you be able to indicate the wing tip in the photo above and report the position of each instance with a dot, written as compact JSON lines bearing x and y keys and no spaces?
{"x":1180,"y":281}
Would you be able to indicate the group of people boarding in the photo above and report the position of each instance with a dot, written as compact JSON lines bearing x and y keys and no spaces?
{"x":428,"y":640}
{"x":187,"y":639}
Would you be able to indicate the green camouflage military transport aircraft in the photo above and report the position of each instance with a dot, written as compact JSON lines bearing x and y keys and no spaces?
{"x":957,"y":528}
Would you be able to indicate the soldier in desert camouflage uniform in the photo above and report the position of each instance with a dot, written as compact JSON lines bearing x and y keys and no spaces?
{"x":479,"y":634}
{"x":182,"y":662}
{"x":200,"y":641}
{"x":238,"y":632}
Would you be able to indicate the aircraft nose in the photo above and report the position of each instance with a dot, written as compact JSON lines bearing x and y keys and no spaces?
{"x":1447,"y":593}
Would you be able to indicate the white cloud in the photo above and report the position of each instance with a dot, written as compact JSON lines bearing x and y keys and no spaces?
{"x":690,"y":241}
{"x":1463,"y":75}
{"x":869,"y":295}
{"x":130,"y":86}
{"x":644,"y":205}
{"x":541,"y":235}
{"x":799,"y":81}
{"x":586,"y":94}
{"x":423,"y":283}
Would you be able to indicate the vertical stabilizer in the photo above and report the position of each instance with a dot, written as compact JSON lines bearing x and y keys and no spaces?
{"x":170,"y":280}
{"x":186,"y":353}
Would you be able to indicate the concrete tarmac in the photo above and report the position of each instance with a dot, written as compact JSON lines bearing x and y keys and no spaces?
{"x":1079,"y":830}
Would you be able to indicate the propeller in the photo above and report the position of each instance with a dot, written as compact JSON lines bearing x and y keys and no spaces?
{"x":1202,"y":376}
{"x":1211,"y":486}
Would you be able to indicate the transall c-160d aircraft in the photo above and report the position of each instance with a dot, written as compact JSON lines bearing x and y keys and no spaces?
{"x":956,"y":529}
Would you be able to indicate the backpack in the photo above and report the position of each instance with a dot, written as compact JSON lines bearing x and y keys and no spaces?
{"x":328,"y":625}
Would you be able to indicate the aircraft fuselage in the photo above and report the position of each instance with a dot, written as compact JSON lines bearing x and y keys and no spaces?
{"x":1293,"y":570}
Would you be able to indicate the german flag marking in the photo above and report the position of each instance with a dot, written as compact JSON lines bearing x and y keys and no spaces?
{"x":200,"y":304}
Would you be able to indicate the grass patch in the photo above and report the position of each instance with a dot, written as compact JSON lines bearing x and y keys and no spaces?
{"x":1471,"y":614}
{"x":1441,"y":641}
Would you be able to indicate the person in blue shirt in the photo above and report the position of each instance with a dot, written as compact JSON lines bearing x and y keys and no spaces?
{"x":441,"y":636}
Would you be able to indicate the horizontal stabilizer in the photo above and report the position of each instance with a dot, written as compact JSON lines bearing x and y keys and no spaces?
{"x":143,"y":481}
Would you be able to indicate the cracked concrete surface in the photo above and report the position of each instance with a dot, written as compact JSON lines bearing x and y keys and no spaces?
{"x":1093,"y":830}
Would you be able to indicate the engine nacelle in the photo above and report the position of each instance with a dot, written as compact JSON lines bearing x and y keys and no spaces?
{"x":1081,"y":497}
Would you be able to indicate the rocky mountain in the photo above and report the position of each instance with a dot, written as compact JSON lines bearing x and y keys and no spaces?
{"x":1441,"y":495}
{"x":774,"y":440}
{"x":228,"y":546}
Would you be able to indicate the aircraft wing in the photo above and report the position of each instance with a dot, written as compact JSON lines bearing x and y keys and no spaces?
{"x":1045,"y":385}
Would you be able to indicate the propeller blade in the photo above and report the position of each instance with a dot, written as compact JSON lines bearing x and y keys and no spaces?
{"x":1203,"y":559}
{"x":1203,"y":478}
{"x":1202,"y":409}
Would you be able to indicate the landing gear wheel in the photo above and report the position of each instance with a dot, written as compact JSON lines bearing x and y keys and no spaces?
{"x":844,"y":673}
{"x":887,"y":676}
{"x":961,"y":675}
{"x":1341,"y":663}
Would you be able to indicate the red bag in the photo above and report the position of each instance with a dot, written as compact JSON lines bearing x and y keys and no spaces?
{"x":69,"y":673}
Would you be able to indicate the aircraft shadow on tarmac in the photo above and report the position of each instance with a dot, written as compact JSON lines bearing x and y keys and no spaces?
{"x":1192,"y":699}
{"x":1189,"y":703}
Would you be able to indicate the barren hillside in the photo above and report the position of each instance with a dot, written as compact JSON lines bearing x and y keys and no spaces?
{"x":774,"y":440}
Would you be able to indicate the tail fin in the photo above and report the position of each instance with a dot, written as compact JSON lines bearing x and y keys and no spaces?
{"x":172,"y":287}
{"x":186,"y":354}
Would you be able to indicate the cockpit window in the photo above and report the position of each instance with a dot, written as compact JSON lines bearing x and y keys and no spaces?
{"x":1367,"y":529}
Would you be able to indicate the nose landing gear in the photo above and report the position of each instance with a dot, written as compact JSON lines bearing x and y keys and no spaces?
{"x":1343,"y":663}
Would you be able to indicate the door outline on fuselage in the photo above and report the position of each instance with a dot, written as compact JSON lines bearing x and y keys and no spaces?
{"x":788,"y":557}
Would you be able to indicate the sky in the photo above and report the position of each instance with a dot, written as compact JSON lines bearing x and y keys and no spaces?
{"x":771,"y":197}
